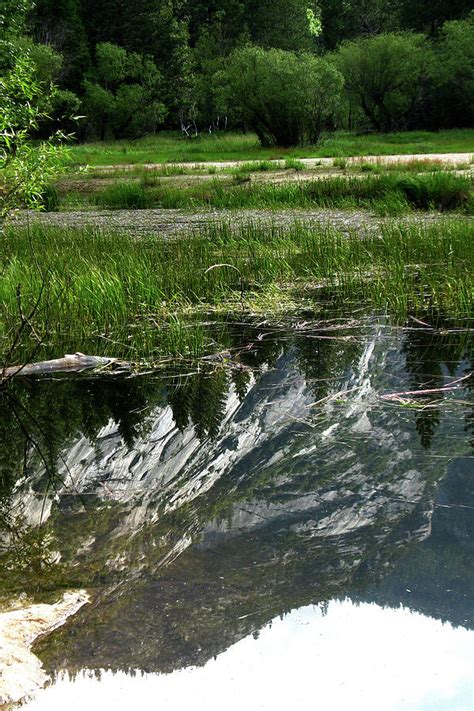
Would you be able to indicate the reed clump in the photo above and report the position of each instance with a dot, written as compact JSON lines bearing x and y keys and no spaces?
{"x":124,"y":195}
{"x":438,"y":190}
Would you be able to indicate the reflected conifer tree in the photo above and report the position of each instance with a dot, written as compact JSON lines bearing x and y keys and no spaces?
{"x":325,"y":361}
{"x":241,"y":381}
{"x":430,"y":355}
{"x":209,"y":404}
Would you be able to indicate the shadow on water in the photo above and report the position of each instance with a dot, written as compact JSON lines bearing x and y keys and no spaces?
{"x":198,"y":506}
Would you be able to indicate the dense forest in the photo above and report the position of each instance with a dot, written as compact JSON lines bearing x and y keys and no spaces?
{"x":287,"y":69}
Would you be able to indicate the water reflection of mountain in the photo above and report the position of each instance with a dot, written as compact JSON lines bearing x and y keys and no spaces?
{"x":436,"y":576}
{"x":192,"y":541}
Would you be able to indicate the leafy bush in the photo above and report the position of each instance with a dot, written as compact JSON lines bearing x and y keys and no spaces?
{"x":384,"y":76}
{"x":26,"y":167}
{"x":123,"y":99}
{"x":288,"y":99}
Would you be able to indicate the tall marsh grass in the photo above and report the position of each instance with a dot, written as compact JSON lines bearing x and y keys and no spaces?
{"x":138,"y":293}
{"x":429,"y":191}
{"x":124,"y":196}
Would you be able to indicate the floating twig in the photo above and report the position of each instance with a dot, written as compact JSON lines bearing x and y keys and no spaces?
{"x":428,"y":391}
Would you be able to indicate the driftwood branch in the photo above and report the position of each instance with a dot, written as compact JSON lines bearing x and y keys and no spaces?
{"x":75,"y":363}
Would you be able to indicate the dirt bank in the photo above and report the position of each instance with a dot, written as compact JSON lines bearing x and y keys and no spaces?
{"x":445,"y":158}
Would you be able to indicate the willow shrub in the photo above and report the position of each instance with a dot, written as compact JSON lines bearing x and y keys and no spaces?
{"x":384,"y":77}
{"x":288,"y":99}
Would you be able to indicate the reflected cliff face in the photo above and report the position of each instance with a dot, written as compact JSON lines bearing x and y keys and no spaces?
{"x":197,"y":507}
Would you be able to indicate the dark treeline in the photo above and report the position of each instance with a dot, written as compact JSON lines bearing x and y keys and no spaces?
{"x":135,"y":67}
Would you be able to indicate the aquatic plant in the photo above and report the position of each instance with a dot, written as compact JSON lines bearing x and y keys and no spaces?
{"x":123,"y":196}
{"x":140,"y":292}
{"x":436,"y":191}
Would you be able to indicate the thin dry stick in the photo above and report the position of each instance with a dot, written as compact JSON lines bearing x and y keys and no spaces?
{"x":445,"y":388}
{"x":24,"y":321}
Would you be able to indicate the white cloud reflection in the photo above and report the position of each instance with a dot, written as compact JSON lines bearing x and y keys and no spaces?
{"x":356,"y":657}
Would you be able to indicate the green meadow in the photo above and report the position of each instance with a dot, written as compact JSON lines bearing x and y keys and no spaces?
{"x":168,"y":147}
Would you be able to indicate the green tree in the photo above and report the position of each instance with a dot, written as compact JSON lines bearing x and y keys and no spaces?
{"x":13,"y":15}
{"x":384,"y":76}
{"x":47,"y":62}
{"x":154,"y":28}
{"x":59,"y":107}
{"x":224,"y":20}
{"x":430,"y":15}
{"x":283,"y":24}
{"x":346,"y":19}
{"x":453,"y":74}
{"x":286,"y":98}
{"x":123,"y":100}
{"x":59,"y":24}
{"x":205,"y":100}
{"x":98,"y":105}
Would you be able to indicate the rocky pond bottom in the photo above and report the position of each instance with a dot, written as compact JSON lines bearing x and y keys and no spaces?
{"x":292,"y":530}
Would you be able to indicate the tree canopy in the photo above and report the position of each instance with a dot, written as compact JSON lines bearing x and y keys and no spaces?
{"x":134,"y":67}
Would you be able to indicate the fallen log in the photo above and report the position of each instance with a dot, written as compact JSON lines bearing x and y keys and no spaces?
{"x":70,"y":363}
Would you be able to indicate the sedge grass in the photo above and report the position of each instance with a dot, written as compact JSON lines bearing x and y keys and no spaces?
{"x":125,"y":196}
{"x":429,"y":191}
{"x":409,"y":166}
{"x":140,"y":293}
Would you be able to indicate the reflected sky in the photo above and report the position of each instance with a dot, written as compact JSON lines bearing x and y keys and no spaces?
{"x":351,"y":656}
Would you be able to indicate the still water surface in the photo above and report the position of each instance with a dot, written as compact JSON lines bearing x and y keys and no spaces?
{"x":292,"y":530}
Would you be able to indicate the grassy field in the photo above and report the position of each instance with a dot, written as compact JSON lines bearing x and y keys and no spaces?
{"x":141,"y":296}
{"x":169,"y":147}
{"x":347,"y":166}
{"x":150,"y":297}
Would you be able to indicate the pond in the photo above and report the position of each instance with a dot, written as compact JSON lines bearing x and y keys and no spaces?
{"x":291,"y":528}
